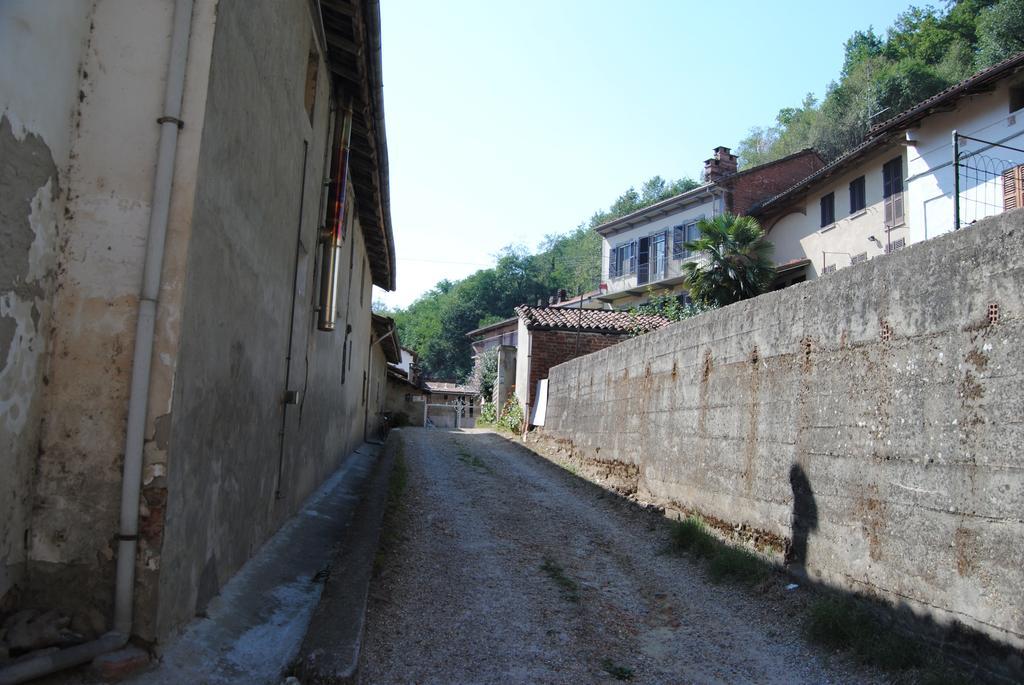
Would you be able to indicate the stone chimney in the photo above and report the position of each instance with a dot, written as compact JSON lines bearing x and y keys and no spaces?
{"x":721,"y":165}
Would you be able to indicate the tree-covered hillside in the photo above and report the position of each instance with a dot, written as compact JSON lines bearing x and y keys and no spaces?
{"x":435,"y":325}
{"x":923,"y":52}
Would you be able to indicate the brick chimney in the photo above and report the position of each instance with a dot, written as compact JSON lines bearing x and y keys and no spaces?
{"x":721,"y":165}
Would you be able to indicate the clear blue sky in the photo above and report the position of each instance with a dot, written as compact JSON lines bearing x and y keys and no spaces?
{"x":507,"y":121}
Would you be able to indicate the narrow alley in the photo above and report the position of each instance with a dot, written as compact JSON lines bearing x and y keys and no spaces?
{"x":506,"y":568}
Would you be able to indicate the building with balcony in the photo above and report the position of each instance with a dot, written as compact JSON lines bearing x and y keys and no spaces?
{"x":645,"y":251}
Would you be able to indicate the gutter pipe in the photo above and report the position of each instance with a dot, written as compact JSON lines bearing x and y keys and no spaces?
{"x":131,"y":483}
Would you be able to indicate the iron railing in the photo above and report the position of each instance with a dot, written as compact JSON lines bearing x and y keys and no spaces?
{"x":978,"y":178}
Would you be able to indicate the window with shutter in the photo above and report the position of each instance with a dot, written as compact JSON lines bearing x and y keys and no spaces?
{"x":643,"y":260}
{"x":1013,"y":188}
{"x":828,"y":210}
{"x":892,"y":191}
{"x":659,"y":255}
{"x":857,"y":194}
{"x":687,"y":233}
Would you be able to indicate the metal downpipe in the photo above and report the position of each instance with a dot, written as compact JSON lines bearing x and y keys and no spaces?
{"x":131,"y":482}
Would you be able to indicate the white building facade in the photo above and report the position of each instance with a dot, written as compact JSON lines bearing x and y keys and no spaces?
{"x":898,"y":187}
{"x":646,"y":249}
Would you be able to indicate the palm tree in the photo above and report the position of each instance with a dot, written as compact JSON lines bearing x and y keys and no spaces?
{"x":736,"y":261}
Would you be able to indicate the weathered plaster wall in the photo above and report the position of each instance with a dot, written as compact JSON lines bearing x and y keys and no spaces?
{"x":396,"y":401}
{"x":230,"y":480}
{"x":887,"y":385}
{"x":505,"y":379}
{"x":111,"y":154}
{"x":41,"y":49}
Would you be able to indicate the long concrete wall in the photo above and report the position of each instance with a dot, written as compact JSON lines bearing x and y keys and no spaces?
{"x":870,"y":420}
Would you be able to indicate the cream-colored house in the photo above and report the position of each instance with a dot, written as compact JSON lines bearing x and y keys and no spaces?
{"x":646,"y":250}
{"x":897,"y":187}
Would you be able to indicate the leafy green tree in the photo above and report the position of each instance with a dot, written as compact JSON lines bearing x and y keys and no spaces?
{"x":435,"y":325}
{"x":668,"y":305}
{"x":488,"y":372}
{"x":925,"y":50}
{"x":758,"y":147}
{"x":735,"y":262}
{"x":1000,"y":30}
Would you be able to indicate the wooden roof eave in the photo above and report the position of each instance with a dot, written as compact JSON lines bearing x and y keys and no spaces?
{"x":352,"y":34}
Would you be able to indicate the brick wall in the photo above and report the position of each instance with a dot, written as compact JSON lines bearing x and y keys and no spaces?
{"x":751,"y":188}
{"x":550,"y":348}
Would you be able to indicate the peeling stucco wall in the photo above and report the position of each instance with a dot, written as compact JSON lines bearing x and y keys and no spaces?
{"x":36,"y":114}
{"x":106,"y":194}
{"x":28,"y":185}
{"x":894,"y":387}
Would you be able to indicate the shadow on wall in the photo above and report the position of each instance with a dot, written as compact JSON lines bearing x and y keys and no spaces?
{"x":804,"y":520}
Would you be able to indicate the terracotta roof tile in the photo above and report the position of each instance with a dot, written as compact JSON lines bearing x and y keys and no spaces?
{"x":588,"y":320}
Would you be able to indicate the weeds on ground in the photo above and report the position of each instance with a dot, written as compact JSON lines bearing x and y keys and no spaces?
{"x":845,"y":624}
{"x":570,"y":589}
{"x":472,"y":460}
{"x":691,"y":535}
{"x":616,"y":671}
{"x":390,"y":531}
{"x":725,"y":563}
{"x":836,"y":623}
{"x":935,"y":676}
{"x":738,"y":565}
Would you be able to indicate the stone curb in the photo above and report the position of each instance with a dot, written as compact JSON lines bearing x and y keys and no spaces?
{"x":330,"y":651}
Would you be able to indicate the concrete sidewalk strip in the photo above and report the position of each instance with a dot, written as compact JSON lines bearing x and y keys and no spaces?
{"x":330,"y":651}
{"x":253,"y":629}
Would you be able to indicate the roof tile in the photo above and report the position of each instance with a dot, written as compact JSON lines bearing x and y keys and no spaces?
{"x":588,"y":320}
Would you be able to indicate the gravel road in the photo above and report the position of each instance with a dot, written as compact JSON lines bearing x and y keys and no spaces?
{"x":510,"y":569}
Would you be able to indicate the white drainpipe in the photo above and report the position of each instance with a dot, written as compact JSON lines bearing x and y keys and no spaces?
{"x":131,"y":482}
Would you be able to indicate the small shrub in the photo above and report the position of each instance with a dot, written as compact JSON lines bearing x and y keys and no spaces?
{"x":691,"y":535}
{"x":665,"y":304}
{"x":488,"y":413}
{"x":399,"y":419}
{"x":736,"y":563}
{"x":511,"y":418}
